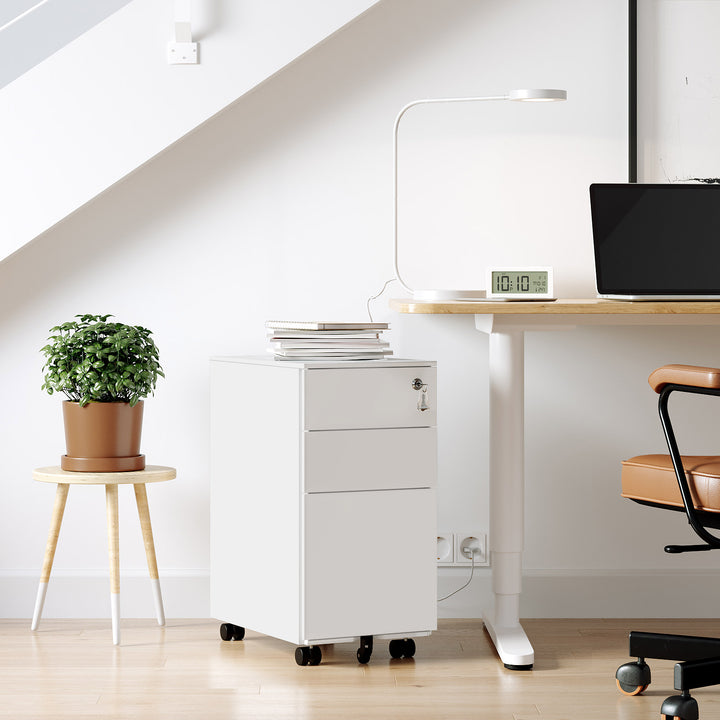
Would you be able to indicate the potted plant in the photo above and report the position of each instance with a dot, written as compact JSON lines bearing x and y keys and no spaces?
{"x":104,"y":369}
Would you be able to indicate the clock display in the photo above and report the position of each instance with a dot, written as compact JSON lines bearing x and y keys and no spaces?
{"x":519,"y":282}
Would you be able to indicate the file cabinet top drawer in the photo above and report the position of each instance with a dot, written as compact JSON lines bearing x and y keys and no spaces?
{"x":387,"y":396}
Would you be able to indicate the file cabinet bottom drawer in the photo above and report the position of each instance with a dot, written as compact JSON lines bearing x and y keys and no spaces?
{"x":369,"y":563}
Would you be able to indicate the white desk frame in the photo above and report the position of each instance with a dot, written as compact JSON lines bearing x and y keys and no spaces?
{"x":506,"y":324}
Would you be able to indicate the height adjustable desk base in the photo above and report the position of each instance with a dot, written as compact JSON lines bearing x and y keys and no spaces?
{"x":511,"y":643}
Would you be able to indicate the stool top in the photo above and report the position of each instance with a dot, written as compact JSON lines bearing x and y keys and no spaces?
{"x":151,"y":473}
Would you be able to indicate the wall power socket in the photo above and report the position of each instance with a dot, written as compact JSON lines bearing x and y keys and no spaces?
{"x":445,"y":548}
{"x":469,"y":547}
{"x":450,"y":547}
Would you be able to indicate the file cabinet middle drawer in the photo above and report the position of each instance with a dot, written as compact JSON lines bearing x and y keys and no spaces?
{"x":387,"y":459}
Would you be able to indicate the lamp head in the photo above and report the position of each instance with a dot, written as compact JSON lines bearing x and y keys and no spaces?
{"x":537,"y":95}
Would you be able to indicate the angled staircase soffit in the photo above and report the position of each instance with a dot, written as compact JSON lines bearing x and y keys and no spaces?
{"x":108,"y":102}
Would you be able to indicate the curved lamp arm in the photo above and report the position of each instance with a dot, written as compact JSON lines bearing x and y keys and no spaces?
{"x":516,"y":95}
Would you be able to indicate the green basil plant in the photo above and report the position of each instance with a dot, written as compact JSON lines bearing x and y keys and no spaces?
{"x":93,"y":360}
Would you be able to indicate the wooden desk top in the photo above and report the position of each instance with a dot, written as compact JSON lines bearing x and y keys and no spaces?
{"x":593,"y":306}
{"x":151,"y":473}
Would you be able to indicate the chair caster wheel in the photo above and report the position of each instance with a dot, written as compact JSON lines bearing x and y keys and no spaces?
{"x":402,"y":648}
{"x":365,"y":650}
{"x":228,"y":631}
{"x":308,"y":655}
{"x":679,"y":707}
{"x":633,"y":678}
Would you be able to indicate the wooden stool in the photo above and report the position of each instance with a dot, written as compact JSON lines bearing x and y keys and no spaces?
{"x":64,"y":478}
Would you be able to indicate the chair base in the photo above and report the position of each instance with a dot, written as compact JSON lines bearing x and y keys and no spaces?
{"x":698,"y":666}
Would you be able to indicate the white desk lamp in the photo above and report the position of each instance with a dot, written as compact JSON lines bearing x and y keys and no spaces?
{"x":450,"y":295}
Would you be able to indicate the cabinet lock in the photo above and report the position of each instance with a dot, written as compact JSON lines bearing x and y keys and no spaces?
{"x":421,"y":387}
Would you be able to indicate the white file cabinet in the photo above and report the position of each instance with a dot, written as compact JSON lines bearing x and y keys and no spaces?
{"x":323,"y":502}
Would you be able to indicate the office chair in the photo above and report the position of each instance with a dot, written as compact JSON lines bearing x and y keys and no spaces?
{"x":689,"y":484}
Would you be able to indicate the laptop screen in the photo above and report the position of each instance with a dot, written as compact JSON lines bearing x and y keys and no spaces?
{"x":661,"y":240}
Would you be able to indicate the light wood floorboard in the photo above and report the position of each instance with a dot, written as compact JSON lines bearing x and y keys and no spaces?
{"x":70,"y":669}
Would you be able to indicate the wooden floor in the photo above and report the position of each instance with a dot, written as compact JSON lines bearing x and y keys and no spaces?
{"x":70,"y":669}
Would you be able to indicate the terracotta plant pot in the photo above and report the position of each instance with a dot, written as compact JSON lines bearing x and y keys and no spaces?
{"x":102,"y":437}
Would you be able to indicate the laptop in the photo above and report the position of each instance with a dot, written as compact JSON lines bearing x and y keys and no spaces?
{"x":656,"y":242}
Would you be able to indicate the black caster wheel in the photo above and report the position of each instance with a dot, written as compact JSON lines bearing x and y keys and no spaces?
{"x":402,"y":648}
{"x":633,"y":678}
{"x":679,"y":707}
{"x":228,"y":631}
{"x":365,"y":650}
{"x":396,"y":648}
{"x":305,"y":655}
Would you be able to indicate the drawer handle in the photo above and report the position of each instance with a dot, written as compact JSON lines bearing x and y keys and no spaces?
{"x":421,"y":387}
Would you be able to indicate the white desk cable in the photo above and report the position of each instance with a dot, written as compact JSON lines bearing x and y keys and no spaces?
{"x":472,"y":571}
{"x":375,"y":297}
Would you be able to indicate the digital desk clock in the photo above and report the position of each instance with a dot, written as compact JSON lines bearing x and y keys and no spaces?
{"x":519,"y":283}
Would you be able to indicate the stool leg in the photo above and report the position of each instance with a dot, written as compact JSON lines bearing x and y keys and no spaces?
{"x":111,"y":504}
{"x":57,"y":515}
{"x":144,"y":514}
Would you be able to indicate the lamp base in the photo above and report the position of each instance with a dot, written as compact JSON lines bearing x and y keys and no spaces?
{"x":449,"y":295}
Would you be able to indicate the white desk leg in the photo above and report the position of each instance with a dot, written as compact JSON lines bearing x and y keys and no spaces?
{"x":507,"y":440}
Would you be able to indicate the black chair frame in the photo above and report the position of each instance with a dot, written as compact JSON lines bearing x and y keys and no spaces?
{"x":699,"y":656}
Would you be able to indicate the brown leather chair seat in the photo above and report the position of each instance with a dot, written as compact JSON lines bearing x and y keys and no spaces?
{"x":651,"y":479}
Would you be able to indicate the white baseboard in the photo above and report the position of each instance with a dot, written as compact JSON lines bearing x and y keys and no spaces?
{"x":86,"y":594}
{"x":590,"y":594}
{"x":546,"y":594}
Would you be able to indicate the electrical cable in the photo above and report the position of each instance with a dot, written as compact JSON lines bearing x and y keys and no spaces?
{"x":472,"y":571}
{"x":375,"y":297}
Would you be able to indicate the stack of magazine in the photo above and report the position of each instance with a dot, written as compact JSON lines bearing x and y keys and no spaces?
{"x":297,"y":340}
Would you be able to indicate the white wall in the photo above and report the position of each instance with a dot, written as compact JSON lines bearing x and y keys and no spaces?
{"x":289,"y":215}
